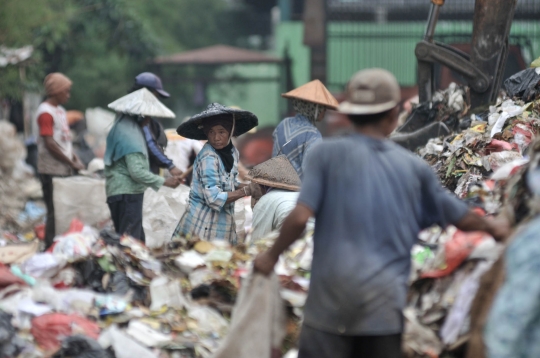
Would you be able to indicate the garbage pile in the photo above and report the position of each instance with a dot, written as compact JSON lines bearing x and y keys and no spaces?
{"x":482,"y":161}
{"x":475,"y":162}
{"x":98,"y":294}
{"x":18,"y":185}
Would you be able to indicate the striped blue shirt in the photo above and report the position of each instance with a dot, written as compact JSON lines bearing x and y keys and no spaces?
{"x":294,"y":137}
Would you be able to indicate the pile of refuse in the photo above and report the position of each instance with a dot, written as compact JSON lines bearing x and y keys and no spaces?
{"x":98,"y":294}
{"x":482,"y":160}
{"x":19,"y":213}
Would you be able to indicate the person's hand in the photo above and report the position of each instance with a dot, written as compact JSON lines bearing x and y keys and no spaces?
{"x":171,"y":182}
{"x":77,"y":164}
{"x":500,"y":227}
{"x":254,"y":190}
{"x":264,"y":263}
{"x":175,"y":172}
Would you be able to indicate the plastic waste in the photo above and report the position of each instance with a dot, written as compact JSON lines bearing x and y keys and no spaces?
{"x":161,"y":211}
{"x":523,"y":85}
{"x":77,"y":245}
{"x":146,"y":335}
{"x":10,"y":344}
{"x":123,"y":345}
{"x":7,"y":278}
{"x":189,"y":260}
{"x":43,"y":265}
{"x":456,"y":251}
{"x":79,"y":346}
{"x":79,"y":197}
{"x":209,"y":320}
{"x":258,"y":320}
{"x":110,"y":304}
{"x":49,"y":330}
{"x":165,"y":292}
{"x":16,"y":270}
{"x":18,"y":253}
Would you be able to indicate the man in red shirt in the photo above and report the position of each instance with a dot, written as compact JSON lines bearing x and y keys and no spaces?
{"x":55,"y":153}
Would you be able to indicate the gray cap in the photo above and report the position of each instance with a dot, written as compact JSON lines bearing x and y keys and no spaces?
{"x":371,"y":91}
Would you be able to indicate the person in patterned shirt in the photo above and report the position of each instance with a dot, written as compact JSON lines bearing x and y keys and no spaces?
{"x":295,"y":136}
{"x":214,"y":187}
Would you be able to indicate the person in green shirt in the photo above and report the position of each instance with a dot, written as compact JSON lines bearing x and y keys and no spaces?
{"x":128,"y":175}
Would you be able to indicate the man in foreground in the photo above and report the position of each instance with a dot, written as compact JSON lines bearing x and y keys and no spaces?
{"x":370,"y":198}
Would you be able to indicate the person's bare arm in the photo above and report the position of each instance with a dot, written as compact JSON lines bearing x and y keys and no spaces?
{"x":56,"y":152}
{"x":232,"y":196}
{"x":498,"y":227}
{"x":293,"y":226}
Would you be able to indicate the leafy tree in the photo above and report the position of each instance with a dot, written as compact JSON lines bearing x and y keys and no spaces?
{"x":102,"y":44}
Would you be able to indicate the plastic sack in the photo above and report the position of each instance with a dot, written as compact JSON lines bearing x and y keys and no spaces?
{"x":79,"y":197}
{"x":123,"y":345}
{"x":7,"y":278}
{"x":48,"y":330}
{"x":80,"y":347}
{"x":162,"y":210}
{"x":523,"y":84}
{"x":75,"y":245}
{"x":456,"y":250}
{"x":258,"y":320}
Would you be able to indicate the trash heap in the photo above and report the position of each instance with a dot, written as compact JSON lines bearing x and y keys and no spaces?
{"x":475,"y":163}
{"x":18,"y":187}
{"x":112,"y":296}
{"x":481,"y":162}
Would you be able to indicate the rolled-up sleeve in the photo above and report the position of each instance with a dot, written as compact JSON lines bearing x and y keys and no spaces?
{"x":138,"y":170}
{"x":213,"y":194}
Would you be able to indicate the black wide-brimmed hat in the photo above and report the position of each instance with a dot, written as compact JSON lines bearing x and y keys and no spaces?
{"x":243,"y":121}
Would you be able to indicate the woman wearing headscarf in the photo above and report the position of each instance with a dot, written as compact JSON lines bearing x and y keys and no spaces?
{"x":214,"y":187}
{"x":56,"y":157}
{"x":294,"y":136}
{"x":127,"y":168}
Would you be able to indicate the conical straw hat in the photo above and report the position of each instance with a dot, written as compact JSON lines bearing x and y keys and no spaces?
{"x":315,"y":92}
{"x":141,"y":103}
{"x":277,"y":173}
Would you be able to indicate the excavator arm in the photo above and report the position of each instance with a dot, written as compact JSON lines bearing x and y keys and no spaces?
{"x":484,"y":67}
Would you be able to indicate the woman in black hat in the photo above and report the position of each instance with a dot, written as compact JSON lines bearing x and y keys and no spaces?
{"x":214,"y":187}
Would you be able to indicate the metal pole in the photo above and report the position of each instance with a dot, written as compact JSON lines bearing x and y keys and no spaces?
{"x":432,"y":22}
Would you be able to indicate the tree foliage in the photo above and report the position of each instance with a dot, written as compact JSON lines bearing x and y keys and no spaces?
{"x":102,"y":44}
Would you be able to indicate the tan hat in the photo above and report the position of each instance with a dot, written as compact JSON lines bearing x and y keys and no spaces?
{"x":371,"y":91}
{"x":276,"y":172}
{"x":314,"y":92}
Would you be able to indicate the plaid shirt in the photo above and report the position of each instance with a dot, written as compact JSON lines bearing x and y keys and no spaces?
{"x":294,"y":137}
{"x":207,"y":215}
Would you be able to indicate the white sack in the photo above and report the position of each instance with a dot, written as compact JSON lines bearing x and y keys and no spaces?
{"x":162,"y":210}
{"x":79,"y":197}
{"x":258,"y":320}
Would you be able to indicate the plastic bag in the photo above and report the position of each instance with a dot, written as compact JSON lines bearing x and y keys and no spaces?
{"x":161,"y":211}
{"x":523,"y":84}
{"x":456,"y":251}
{"x":10,"y":344}
{"x":49,"y":329}
{"x":7,"y":278}
{"x":165,"y":292}
{"x":79,"y":346}
{"x":258,"y":320}
{"x":79,"y":197}
{"x":75,"y":245}
{"x":123,"y":345}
